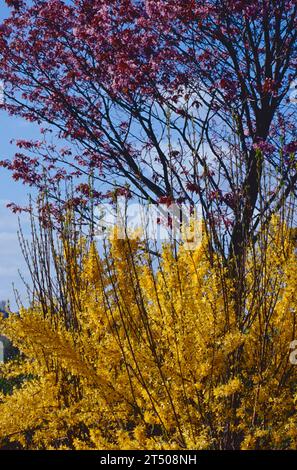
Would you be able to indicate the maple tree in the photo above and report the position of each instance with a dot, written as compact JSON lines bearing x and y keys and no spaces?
{"x":166,"y":100}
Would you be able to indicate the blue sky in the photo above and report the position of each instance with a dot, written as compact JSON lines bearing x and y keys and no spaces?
{"x":10,"y":191}
{"x":11,"y":259}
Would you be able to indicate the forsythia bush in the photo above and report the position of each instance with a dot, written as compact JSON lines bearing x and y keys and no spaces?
{"x":156,"y":358}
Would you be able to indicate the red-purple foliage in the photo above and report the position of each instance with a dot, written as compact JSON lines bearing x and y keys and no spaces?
{"x":113,"y":76}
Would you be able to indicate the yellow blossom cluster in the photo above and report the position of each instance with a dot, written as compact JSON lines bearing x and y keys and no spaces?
{"x":157,"y":358}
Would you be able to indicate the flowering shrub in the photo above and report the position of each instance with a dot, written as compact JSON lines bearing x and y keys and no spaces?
{"x":155,"y":357}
